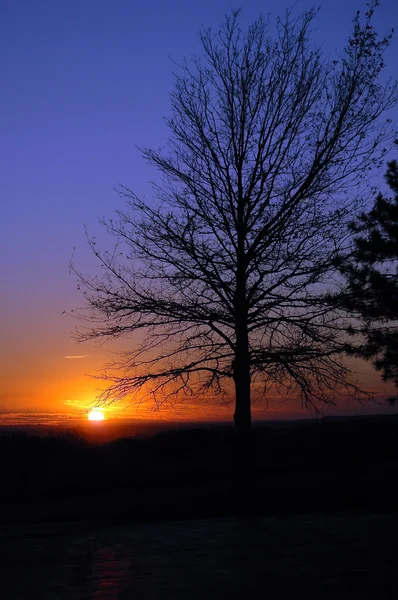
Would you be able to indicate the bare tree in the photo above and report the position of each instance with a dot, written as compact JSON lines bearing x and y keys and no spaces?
{"x":221,"y":277}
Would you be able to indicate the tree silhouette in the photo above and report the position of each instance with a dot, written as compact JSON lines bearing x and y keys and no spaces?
{"x":222,"y":275}
{"x":372,"y":281}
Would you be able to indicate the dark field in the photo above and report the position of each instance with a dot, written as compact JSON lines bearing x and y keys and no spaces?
{"x":322,"y":555}
{"x":158,"y":517}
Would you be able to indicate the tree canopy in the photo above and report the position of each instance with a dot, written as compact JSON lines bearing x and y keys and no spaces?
{"x":220,"y":278}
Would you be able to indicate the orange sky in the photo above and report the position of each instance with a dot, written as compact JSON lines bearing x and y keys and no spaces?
{"x":39,"y":382}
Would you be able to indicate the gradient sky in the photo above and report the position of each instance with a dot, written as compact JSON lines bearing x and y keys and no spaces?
{"x":83,"y":83}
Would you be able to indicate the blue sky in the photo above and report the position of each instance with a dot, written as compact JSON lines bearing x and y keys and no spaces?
{"x":84,"y":83}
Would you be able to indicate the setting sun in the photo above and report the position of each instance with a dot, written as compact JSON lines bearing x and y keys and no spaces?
{"x":96,"y":415}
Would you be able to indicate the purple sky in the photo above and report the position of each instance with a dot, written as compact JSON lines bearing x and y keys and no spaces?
{"x":83,"y":82}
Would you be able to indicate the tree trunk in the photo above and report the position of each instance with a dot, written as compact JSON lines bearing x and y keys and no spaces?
{"x":242,"y":415}
{"x":243,"y":491}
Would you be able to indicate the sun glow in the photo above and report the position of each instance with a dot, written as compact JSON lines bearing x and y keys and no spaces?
{"x":95,"y":415}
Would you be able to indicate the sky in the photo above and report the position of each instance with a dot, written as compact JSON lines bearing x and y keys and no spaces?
{"x":83,"y":84}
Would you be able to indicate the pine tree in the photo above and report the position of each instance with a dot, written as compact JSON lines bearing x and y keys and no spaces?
{"x":372,"y":280}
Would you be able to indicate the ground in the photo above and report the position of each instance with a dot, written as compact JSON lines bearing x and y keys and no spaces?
{"x":320,"y":555}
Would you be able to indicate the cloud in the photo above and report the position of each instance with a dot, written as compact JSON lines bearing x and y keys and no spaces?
{"x":78,"y":356}
{"x":38,"y":418}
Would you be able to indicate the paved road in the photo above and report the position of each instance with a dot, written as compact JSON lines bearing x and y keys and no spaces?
{"x":334,"y":556}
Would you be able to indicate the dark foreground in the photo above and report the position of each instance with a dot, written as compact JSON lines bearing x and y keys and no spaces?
{"x":329,"y":555}
{"x":160,"y":517}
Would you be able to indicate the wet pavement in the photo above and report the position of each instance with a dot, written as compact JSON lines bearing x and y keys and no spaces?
{"x":335,"y":556}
